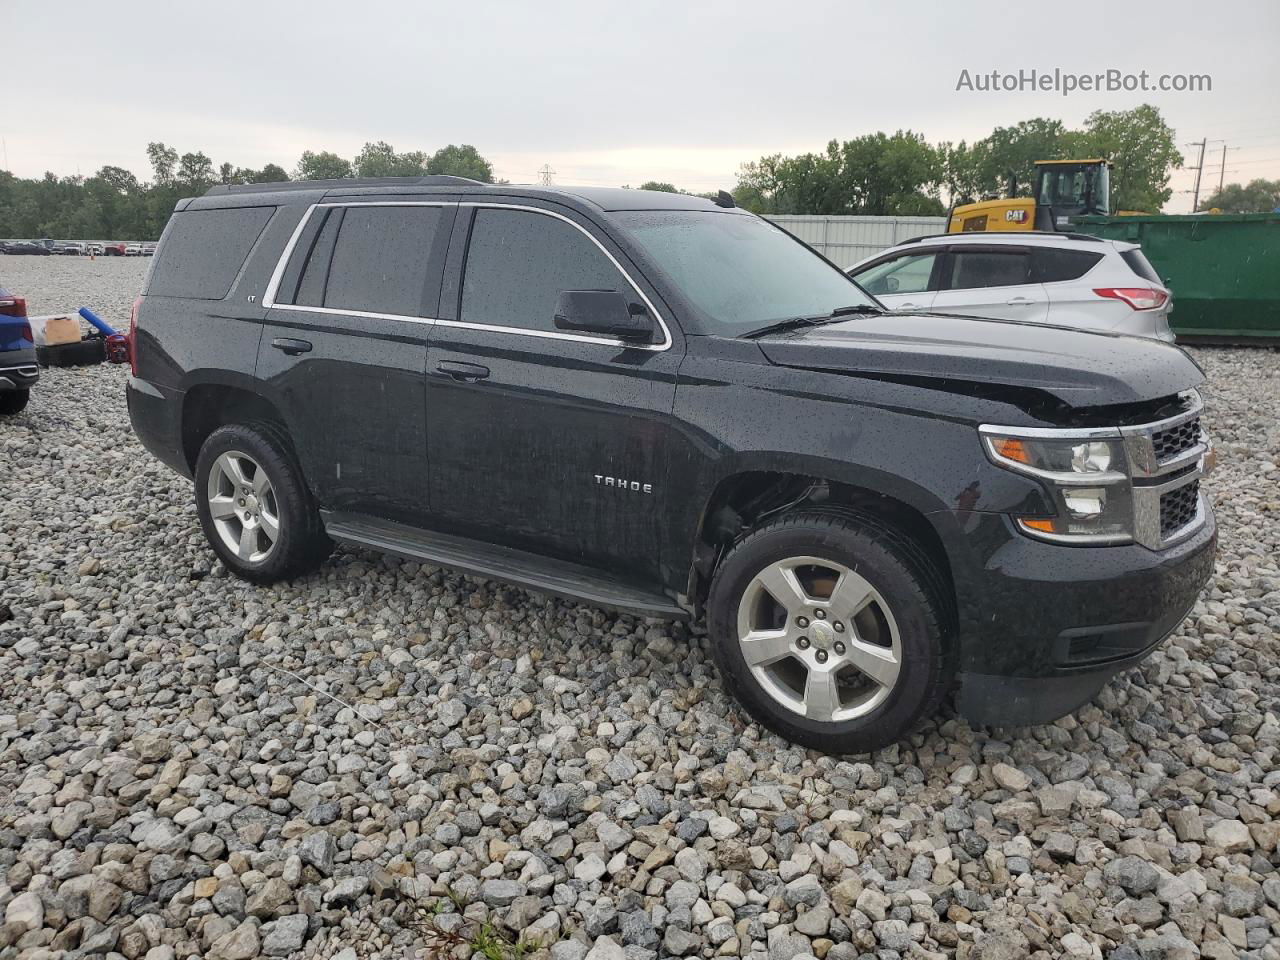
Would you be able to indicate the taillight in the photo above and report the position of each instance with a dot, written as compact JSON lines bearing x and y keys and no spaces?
{"x":13,"y":307}
{"x":133,"y":336}
{"x":25,"y":333}
{"x":1139,"y":298}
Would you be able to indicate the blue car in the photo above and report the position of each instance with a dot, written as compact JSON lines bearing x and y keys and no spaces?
{"x":18,"y":370}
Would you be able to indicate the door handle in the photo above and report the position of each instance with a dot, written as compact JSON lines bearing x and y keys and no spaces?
{"x":291,"y":346}
{"x":1020,"y":302}
{"x":463,"y":372}
{"x":908,"y":306}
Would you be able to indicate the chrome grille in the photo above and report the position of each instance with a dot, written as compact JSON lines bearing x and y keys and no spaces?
{"x":1178,"y":508}
{"x":1177,"y":439}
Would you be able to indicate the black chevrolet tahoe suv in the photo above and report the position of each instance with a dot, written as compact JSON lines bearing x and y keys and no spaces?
{"x":668,"y":406}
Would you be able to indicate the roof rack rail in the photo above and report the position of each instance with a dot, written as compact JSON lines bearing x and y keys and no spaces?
{"x":1002,"y":233}
{"x":427,"y":181}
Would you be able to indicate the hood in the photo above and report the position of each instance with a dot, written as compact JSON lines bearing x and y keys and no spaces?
{"x":1078,"y":367}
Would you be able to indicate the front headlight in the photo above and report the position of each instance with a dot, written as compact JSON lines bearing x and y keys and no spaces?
{"x":1086,"y":475}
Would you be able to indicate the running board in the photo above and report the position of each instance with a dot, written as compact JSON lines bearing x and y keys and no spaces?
{"x":529,"y":570}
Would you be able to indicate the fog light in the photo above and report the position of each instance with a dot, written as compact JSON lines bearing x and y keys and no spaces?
{"x":1085,"y":502}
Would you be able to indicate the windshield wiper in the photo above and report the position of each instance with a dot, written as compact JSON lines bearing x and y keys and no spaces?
{"x":792,"y":323}
{"x":865,"y":308}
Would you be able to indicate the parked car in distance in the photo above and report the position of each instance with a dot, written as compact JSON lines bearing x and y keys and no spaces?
{"x":670,"y":406}
{"x":114,"y":250}
{"x":70,"y":248}
{"x":133,"y":250}
{"x":18,"y":368}
{"x":95,"y":249}
{"x":26,"y":248}
{"x":148,"y":249}
{"x":1064,"y":279}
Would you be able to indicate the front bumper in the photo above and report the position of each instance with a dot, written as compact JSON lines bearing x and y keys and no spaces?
{"x":1055,"y":622}
{"x":18,"y":369}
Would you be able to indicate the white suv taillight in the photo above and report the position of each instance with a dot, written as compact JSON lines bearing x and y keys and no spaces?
{"x":1139,"y":298}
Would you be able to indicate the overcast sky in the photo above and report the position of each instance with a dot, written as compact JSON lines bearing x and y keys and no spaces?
{"x":607,"y":93}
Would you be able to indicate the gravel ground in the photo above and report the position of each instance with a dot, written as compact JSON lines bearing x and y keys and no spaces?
{"x":193,"y":766}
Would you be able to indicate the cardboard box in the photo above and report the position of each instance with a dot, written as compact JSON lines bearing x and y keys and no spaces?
{"x":51,"y":331}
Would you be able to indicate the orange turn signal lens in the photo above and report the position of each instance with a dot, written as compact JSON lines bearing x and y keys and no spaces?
{"x":1033,"y":523}
{"x":1011,"y":448}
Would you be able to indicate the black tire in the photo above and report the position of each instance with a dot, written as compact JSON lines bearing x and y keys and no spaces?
{"x":904,"y":577}
{"x":13,"y":401}
{"x":83,"y":353}
{"x":301,"y":544}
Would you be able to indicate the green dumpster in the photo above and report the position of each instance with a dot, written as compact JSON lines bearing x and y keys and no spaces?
{"x":1223,"y":269}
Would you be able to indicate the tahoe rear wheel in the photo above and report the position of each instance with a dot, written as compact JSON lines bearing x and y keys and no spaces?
{"x":254,"y":505}
{"x":829,"y":629}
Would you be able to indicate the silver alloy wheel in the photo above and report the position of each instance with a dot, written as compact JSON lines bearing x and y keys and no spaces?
{"x":819,"y":638}
{"x":243,"y":506}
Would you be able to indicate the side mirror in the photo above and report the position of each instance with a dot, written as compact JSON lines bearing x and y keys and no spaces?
{"x":891,"y":284}
{"x":603,"y":311}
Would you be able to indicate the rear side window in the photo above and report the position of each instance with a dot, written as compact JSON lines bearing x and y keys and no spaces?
{"x":316,"y":266}
{"x":380,"y":259}
{"x":1054,"y":266}
{"x":980,"y":268}
{"x":1139,"y":264}
{"x":203,"y":250}
{"x":519,"y":262}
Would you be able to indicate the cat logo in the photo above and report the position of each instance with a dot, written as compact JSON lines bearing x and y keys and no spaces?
{"x":1015,"y":216}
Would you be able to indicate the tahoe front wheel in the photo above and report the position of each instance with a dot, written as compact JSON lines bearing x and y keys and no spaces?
{"x":830,"y":630}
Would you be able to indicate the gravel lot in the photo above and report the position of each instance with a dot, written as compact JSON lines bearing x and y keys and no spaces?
{"x":193,"y":766}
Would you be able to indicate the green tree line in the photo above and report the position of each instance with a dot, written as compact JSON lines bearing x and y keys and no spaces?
{"x":903,"y":174}
{"x":877,"y":174}
{"x":115,"y":204}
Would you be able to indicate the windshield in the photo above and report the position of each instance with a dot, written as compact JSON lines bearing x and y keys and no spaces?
{"x":739,"y":271}
{"x":1085,"y":188}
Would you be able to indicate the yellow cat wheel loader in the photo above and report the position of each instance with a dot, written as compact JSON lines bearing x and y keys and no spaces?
{"x":1062,"y":189}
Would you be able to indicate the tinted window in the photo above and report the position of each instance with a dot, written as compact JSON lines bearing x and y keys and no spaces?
{"x":908,"y":274}
{"x":741,"y":272}
{"x":380,"y":258}
{"x":1139,"y":264}
{"x":315,"y":266}
{"x":203,"y":250}
{"x":974,"y":268}
{"x":1054,"y":266}
{"x":519,"y":262}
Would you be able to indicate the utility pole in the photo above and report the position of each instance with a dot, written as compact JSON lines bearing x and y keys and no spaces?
{"x":1222,"y":174}
{"x":545,"y":175}
{"x":1195,"y":202}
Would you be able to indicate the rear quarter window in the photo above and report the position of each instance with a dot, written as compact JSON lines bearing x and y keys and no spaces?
{"x":1053,"y":265}
{"x":203,"y":250}
{"x":1139,"y":264}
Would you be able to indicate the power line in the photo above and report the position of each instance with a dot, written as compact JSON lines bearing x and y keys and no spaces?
{"x":545,"y":175}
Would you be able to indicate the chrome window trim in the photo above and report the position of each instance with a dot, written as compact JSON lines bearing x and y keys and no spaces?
{"x":552,"y":334}
{"x":273,"y":285}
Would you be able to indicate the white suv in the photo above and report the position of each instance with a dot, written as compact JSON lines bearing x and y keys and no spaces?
{"x":1064,"y":279}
